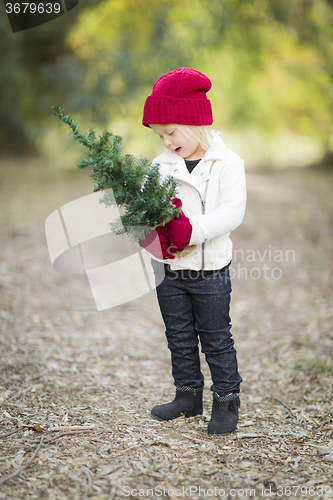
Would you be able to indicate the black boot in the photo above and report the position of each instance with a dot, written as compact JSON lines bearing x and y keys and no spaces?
{"x":188,"y":401}
{"x":224,"y":414}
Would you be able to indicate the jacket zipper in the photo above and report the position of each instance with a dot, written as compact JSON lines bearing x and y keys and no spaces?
{"x":203,"y":209}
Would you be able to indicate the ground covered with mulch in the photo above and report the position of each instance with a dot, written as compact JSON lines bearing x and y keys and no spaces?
{"x":77,"y":385}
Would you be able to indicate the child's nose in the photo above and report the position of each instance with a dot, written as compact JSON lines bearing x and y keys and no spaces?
{"x":167,"y":141}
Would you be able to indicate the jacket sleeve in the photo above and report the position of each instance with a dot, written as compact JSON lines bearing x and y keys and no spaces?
{"x":229,"y":213}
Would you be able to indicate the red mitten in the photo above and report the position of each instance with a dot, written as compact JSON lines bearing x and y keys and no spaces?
{"x":157,"y":243}
{"x":179,"y":230}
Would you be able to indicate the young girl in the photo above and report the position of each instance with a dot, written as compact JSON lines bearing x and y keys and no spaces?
{"x":194,"y":296}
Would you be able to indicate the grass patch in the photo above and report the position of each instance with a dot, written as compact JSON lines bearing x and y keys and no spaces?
{"x":317,"y":364}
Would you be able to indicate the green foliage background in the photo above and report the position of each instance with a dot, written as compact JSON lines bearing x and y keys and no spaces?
{"x":270,"y":61}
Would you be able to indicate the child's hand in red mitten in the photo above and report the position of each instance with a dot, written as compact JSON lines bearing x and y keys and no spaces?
{"x":179,"y":230}
{"x":157,"y":243}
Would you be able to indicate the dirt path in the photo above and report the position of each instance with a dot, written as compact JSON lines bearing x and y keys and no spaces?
{"x":64,"y":364}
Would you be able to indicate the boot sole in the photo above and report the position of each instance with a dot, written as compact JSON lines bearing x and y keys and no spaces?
{"x":220,"y":433}
{"x":169,"y":419}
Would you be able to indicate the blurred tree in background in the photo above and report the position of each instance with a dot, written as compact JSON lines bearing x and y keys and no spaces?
{"x":270,"y":61}
{"x":36,"y":69}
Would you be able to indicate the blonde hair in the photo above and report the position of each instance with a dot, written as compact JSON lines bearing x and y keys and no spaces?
{"x":204,"y":134}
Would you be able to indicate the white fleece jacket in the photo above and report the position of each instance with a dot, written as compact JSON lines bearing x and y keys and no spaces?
{"x":213,"y":198}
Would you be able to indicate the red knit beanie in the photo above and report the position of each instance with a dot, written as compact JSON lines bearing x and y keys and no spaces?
{"x":179,"y":97}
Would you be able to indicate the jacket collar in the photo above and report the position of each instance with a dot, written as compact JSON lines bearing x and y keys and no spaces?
{"x":176,"y":166}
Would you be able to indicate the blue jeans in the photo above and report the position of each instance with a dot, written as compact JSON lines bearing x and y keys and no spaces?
{"x":195,"y":305}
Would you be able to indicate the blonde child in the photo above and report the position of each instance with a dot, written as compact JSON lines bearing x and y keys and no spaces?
{"x":194,"y":296}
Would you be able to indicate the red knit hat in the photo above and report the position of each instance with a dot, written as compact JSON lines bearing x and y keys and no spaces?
{"x":179,"y":97}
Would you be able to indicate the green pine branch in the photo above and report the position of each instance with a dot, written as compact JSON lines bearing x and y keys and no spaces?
{"x":135,"y":184}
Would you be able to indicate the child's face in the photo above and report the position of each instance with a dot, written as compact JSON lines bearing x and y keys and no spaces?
{"x":172,"y":138}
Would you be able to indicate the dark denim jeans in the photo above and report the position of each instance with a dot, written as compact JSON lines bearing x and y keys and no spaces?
{"x":196,"y":306}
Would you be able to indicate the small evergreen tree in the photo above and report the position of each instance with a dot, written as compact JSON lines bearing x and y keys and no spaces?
{"x":135,"y":184}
